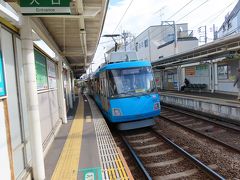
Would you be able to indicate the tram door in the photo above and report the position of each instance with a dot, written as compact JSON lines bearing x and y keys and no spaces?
{"x":104,"y":91}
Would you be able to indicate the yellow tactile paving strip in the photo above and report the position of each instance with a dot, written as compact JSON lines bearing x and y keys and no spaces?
{"x":111,"y":162}
{"x":67,"y":165}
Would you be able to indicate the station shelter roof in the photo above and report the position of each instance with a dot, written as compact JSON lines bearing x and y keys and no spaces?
{"x":223,"y":47}
{"x":74,"y":36}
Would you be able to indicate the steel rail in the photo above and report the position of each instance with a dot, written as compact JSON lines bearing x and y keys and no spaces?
{"x":197,"y":162}
{"x":137,"y":159}
{"x":203,"y":114}
{"x":202,"y":134}
{"x":204,"y":118}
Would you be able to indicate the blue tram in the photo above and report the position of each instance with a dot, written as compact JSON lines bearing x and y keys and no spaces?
{"x":126,"y":93}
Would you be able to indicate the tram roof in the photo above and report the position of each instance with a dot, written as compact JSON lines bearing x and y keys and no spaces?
{"x":121,"y":65}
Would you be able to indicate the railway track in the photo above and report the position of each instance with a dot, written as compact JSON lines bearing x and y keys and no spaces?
{"x":220,"y":132}
{"x":160,"y":158}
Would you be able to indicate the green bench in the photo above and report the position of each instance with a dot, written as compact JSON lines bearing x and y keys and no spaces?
{"x":196,"y":87}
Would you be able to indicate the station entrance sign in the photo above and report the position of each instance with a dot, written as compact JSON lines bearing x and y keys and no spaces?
{"x":33,"y":7}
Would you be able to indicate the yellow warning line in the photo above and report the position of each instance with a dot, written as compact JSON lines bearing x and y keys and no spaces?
{"x":119,"y":168}
{"x":67,"y":165}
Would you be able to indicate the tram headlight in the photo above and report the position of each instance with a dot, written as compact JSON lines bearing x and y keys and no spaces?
{"x":156,"y":106}
{"x":116,"y":112}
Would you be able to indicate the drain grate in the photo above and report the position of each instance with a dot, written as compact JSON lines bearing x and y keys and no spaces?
{"x":112,"y":166}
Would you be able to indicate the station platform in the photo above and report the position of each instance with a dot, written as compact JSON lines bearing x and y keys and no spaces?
{"x":84,"y":148}
{"x":223,"y":98}
{"x":217,"y":104}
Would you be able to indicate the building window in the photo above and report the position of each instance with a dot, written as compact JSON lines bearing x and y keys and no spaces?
{"x":229,"y":24}
{"x":222,"y":72}
{"x":52,"y":77}
{"x":224,"y":28}
{"x":146,"y":43}
{"x":41,"y":70}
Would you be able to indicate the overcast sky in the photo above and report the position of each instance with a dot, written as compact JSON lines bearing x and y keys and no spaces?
{"x":144,"y":13}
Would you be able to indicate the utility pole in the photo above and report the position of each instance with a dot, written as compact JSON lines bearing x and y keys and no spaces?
{"x":175,"y":37}
{"x":125,"y":36}
{"x":173,"y":24}
{"x":203,"y":35}
{"x":214,"y":32}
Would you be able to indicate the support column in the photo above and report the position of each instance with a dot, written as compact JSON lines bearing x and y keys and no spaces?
{"x":215,"y":65}
{"x":69,"y":86}
{"x":62,"y":104}
{"x":32,"y":100}
{"x":179,"y":79}
{"x":211,"y":77}
{"x":73,"y":88}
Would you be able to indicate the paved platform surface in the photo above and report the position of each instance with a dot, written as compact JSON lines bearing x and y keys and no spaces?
{"x":206,"y":94}
{"x":84,"y":148}
{"x":59,"y":141}
{"x":225,"y":99}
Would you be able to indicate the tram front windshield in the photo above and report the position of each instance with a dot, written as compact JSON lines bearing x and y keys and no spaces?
{"x":131,"y":81}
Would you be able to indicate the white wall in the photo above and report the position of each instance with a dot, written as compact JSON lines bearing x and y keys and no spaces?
{"x":169,"y":49}
{"x":48,"y":110}
{"x":13,"y":101}
{"x":233,"y":29}
{"x":4,"y":162}
{"x":156,"y":36}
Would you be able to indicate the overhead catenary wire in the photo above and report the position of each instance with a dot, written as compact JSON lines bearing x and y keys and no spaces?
{"x":214,"y":16}
{"x":180,"y":9}
{"x":174,"y":14}
{"x":193,"y":10}
{"x":181,"y":19}
{"x":123,"y":16}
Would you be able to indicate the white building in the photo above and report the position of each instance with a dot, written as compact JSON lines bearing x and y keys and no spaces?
{"x":231,"y":25}
{"x":157,"y":42}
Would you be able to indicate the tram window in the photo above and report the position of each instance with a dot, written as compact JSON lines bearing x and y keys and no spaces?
{"x":101,"y":87}
{"x":126,"y":82}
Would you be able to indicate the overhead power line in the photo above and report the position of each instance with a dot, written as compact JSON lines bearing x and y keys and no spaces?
{"x":123,"y":16}
{"x":193,"y":10}
{"x":181,"y":18}
{"x":214,"y":16}
{"x":180,"y":9}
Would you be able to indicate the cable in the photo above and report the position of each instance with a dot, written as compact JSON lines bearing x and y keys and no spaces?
{"x":123,"y":16}
{"x":193,"y":10}
{"x":180,"y":9}
{"x":176,"y":13}
{"x":181,"y":18}
{"x":209,"y":19}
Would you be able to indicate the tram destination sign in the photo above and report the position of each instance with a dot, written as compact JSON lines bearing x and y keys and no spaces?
{"x":40,"y":7}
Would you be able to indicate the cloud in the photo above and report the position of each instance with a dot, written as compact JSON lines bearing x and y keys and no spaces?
{"x":143,"y":14}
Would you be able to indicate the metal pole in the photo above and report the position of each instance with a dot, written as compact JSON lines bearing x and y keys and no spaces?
{"x":32,"y":99}
{"x":69,"y":87}
{"x":175,"y":38}
{"x":73,"y":87}
{"x":125,"y":40}
{"x":214,"y":33}
{"x":212,"y":77}
{"x":205,"y":27}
